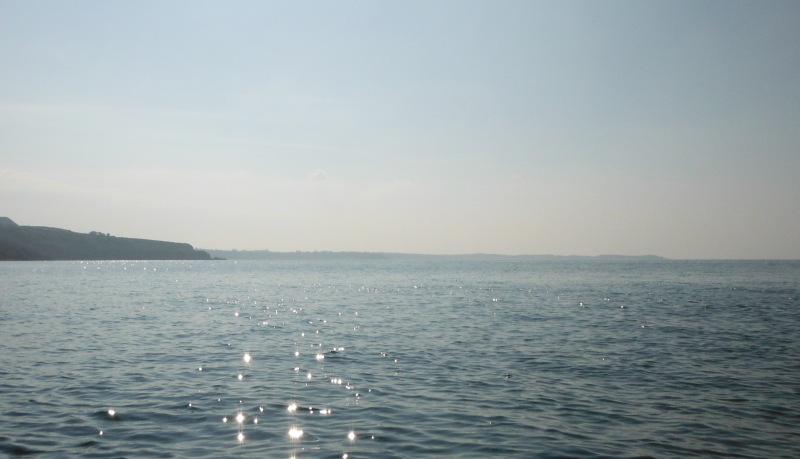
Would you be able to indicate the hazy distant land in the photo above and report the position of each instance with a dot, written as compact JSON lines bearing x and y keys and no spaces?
{"x":325,"y":255}
{"x":24,"y":243}
{"x":27,"y":243}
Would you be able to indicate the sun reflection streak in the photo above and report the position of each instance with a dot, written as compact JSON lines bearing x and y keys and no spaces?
{"x":295,"y":433}
{"x":246,"y":358}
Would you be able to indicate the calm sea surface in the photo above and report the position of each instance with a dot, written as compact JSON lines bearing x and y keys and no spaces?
{"x":393,"y":359}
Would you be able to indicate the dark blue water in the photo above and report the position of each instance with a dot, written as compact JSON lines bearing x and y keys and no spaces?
{"x":432,"y":359}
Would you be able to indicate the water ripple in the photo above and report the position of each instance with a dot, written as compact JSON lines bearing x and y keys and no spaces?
{"x":416,"y":359}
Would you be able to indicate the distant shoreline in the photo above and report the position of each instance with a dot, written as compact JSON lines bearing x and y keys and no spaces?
{"x":328,"y":255}
{"x":39,"y":243}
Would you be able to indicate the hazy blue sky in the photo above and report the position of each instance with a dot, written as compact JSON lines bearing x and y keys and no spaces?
{"x":668,"y":128}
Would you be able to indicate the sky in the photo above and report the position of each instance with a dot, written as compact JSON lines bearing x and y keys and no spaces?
{"x":669,"y":128}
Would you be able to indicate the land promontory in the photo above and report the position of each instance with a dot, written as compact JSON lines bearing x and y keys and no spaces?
{"x":24,"y":243}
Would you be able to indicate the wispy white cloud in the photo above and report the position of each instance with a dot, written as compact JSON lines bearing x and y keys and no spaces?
{"x":318,"y":175}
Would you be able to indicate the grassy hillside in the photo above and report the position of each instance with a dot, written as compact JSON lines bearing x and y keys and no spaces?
{"x":42,"y":243}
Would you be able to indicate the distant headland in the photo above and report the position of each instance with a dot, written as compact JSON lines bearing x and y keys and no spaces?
{"x":28,"y":243}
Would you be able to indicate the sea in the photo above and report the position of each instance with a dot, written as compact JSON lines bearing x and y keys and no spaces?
{"x":400,"y":359}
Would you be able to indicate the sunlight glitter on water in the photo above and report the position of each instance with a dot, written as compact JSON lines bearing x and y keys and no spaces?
{"x":458,"y":353}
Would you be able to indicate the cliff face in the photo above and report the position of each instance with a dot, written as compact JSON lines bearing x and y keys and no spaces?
{"x":42,"y":243}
